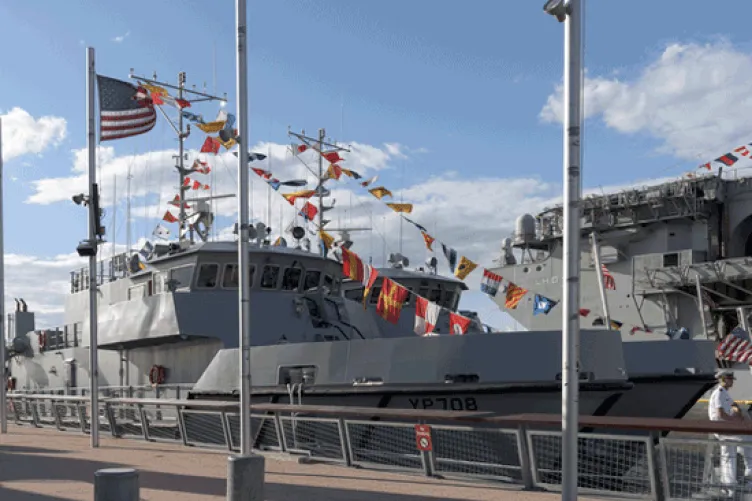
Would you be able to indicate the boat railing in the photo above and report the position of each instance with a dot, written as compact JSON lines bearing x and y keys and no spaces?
{"x":639,"y":458}
{"x":108,"y":270}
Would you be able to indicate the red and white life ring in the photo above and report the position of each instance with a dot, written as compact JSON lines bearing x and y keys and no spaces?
{"x":157,"y":374}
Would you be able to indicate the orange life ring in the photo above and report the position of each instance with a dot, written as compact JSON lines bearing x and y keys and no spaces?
{"x":42,"y":337}
{"x":157,"y":374}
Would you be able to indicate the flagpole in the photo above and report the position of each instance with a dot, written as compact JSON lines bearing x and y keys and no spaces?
{"x":93,"y":223}
{"x":243,"y":199}
{"x":245,"y":472}
{"x":570,"y":12}
{"x":3,"y":337}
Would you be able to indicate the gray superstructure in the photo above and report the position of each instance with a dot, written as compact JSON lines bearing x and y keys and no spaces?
{"x":680,"y":254}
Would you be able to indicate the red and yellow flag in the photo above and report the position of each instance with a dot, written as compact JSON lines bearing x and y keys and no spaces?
{"x":291,"y":197}
{"x":355,"y":269}
{"x":515,"y":293}
{"x":391,"y":299}
{"x":429,"y":240}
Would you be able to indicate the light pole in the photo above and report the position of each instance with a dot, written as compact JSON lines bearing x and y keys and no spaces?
{"x":570,"y":13}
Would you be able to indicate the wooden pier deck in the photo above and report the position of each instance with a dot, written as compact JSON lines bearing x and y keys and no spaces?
{"x":48,"y":465}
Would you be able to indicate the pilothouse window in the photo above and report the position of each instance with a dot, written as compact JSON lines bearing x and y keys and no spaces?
{"x":207,"y":276}
{"x":375,"y":292}
{"x":230,"y":278}
{"x":270,"y":277}
{"x":291,"y":279}
{"x":435,"y":295}
{"x":312,"y":279}
{"x":355,"y":294}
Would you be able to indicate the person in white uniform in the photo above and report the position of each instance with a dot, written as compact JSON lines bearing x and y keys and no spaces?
{"x":722,"y":407}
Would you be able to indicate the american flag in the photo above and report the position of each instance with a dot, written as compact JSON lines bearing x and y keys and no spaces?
{"x":734,"y":349}
{"x":125,"y":110}
{"x":608,"y":278}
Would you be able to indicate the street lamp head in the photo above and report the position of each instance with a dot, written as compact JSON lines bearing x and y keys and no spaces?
{"x":558,"y":9}
{"x":78,"y":199}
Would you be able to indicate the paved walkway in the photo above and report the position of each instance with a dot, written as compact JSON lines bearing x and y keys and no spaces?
{"x":48,"y":465}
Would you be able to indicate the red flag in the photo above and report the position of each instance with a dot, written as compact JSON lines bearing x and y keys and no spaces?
{"x":309,"y":211}
{"x":187,"y":182}
{"x":157,"y":98}
{"x":332,"y":157}
{"x":183,"y":103}
{"x":391,"y":299}
{"x":261,"y":172}
{"x":176,"y":202}
{"x":169,"y":217}
{"x":211,"y":145}
{"x":197,"y":185}
{"x":302,"y":148}
{"x":458,"y":324}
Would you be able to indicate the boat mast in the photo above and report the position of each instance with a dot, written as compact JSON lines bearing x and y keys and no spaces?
{"x":319,"y":144}
{"x":320,"y":188}
{"x":128,"y":211}
{"x":195,"y":96}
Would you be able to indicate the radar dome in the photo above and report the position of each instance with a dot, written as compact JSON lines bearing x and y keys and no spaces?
{"x":524,"y":229}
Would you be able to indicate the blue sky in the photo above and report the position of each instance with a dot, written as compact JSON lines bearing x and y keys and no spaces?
{"x":460,"y":87}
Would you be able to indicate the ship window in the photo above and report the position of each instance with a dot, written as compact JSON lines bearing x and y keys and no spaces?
{"x":375,"y":292}
{"x":423,"y":291}
{"x":409,"y":297}
{"x":329,"y":282}
{"x":291,"y":279}
{"x":251,"y":274}
{"x":355,"y":294}
{"x":230,"y":277}
{"x":159,"y":282}
{"x":270,"y":277}
{"x":435,"y":295}
{"x":136,"y":292}
{"x":670,"y":259}
{"x":312,"y":279}
{"x":207,"y":276}
{"x":180,"y":277}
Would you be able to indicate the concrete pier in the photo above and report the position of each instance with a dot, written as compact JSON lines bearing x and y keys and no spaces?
{"x":38,"y":464}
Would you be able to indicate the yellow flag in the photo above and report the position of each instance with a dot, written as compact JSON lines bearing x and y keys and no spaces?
{"x":408,"y":208}
{"x":326,"y":238}
{"x":464,"y":268}
{"x":155,"y":89}
{"x":380,"y":192}
{"x":211,"y":127}
{"x":229,"y":143}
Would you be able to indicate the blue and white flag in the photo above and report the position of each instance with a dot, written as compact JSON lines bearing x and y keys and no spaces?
{"x":542,"y":304}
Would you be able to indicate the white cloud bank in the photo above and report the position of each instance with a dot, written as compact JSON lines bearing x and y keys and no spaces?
{"x":23,"y":134}
{"x":693,"y":98}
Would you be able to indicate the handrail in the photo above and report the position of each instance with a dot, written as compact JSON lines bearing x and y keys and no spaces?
{"x":541,"y":420}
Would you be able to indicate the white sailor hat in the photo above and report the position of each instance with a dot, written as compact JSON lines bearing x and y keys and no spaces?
{"x":721,"y":373}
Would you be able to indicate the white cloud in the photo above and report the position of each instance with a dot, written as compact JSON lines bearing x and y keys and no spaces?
{"x":694,"y":98}
{"x":23,"y":134}
{"x":120,"y":38}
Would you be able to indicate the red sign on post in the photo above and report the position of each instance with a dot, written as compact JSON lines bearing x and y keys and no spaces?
{"x":423,"y":437}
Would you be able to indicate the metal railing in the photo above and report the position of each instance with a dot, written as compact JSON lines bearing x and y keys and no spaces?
{"x":522,"y":450}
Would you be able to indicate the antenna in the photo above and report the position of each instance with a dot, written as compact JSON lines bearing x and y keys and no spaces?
{"x":182,"y":134}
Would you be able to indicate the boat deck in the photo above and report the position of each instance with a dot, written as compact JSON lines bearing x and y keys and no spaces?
{"x":39,"y":464}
